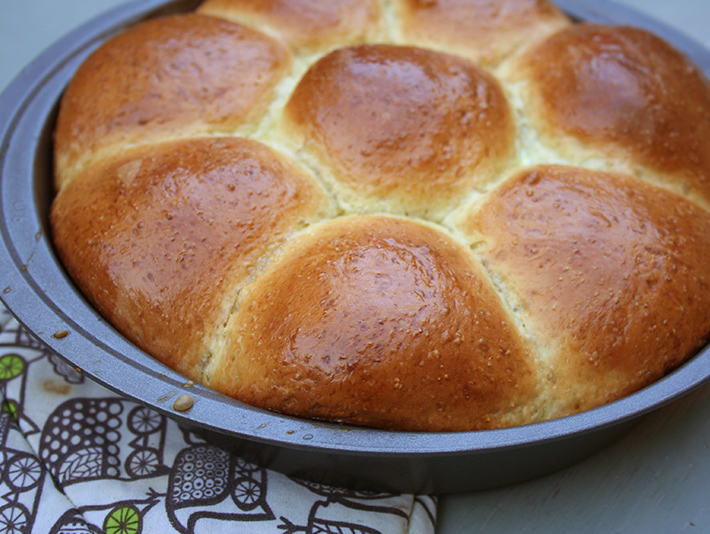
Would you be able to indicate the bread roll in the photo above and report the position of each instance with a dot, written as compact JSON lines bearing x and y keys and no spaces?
{"x":486,"y":31}
{"x":373,"y":114}
{"x":608,"y":274}
{"x":381,"y":321}
{"x":309,"y":26}
{"x":620,"y":93}
{"x":412,"y":215}
{"x":167,"y":235}
{"x":174,"y":77}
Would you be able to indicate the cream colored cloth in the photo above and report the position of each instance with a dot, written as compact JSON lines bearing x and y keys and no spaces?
{"x":77,"y":458}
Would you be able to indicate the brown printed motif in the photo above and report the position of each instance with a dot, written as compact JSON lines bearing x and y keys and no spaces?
{"x":76,"y":458}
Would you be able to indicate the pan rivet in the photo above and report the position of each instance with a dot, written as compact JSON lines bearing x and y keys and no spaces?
{"x":183,"y":403}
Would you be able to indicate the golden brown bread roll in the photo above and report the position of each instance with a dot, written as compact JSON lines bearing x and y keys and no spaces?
{"x":380,"y":321}
{"x":392,"y":213}
{"x":372,"y":114}
{"x":609,"y":276}
{"x":306,"y":25}
{"x":174,"y":77}
{"x":168,"y":233}
{"x":621,"y":93}
{"x":486,"y":31}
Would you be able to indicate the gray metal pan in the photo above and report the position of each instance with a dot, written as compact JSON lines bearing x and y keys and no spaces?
{"x":36,"y":289}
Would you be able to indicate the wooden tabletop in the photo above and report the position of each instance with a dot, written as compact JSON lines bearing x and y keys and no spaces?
{"x":654,"y":480}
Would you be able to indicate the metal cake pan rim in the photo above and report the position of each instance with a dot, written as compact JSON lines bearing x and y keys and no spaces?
{"x":23,"y":283}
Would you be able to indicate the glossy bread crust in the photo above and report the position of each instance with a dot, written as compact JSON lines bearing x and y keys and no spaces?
{"x":174,"y":77}
{"x":166,"y":234}
{"x":414,"y":215}
{"x":624,"y":92}
{"x":305,"y":25}
{"x":373,"y":114}
{"x":380,"y":321}
{"x":486,"y":31}
{"x":610,"y":275}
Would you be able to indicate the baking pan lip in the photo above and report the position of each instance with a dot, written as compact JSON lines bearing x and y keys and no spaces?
{"x":37,"y":291}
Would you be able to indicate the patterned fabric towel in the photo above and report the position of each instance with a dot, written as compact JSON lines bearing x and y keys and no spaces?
{"x":76,"y":458}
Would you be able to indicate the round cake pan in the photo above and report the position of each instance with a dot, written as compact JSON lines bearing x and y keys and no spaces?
{"x":36,"y":289}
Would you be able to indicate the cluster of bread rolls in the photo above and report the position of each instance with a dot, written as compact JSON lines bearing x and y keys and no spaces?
{"x":418,"y":215}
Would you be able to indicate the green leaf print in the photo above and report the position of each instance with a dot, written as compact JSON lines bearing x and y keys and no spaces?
{"x":11,"y":366}
{"x":123,"y":520}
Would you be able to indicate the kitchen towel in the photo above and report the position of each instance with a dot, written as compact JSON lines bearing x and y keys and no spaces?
{"x":77,"y":458}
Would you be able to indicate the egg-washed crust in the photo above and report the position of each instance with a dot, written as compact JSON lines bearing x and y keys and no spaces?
{"x":610,"y":273}
{"x":177,"y":76}
{"x":441,"y":121}
{"x":430,"y":215}
{"x":163,"y":235}
{"x":378,"y":320}
{"x":622,"y":92}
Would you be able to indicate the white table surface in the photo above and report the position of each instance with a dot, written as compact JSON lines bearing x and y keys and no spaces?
{"x":654,"y":480}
